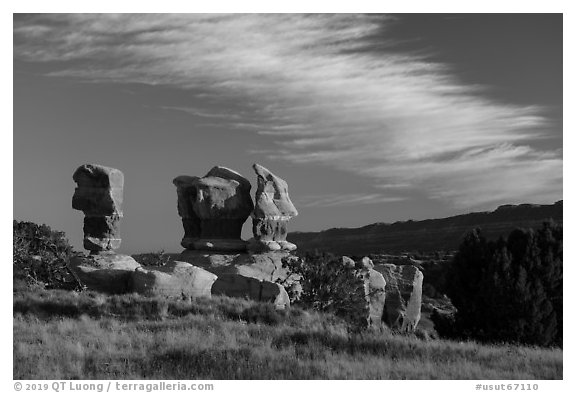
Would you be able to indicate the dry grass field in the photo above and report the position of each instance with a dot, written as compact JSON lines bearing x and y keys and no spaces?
{"x":69,"y":335}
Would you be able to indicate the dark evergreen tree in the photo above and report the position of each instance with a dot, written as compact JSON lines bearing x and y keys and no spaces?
{"x":511,"y":289}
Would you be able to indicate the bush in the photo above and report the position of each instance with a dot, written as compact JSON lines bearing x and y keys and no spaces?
{"x":330,"y":285}
{"x":511,"y":289}
{"x":40,"y":256}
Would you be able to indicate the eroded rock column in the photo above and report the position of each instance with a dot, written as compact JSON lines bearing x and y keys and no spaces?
{"x":186,"y":197}
{"x":213,"y":209}
{"x":99,"y":195}
{"x":273,"y":209}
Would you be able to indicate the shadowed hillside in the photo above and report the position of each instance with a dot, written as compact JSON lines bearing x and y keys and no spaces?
{"x":426,"y":235}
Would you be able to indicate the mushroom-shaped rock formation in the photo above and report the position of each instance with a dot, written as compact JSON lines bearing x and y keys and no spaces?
{"x":186,"y":197}
{"x":99,"y":196}
{"x":272,"y":211}
{"x":213,"y":209}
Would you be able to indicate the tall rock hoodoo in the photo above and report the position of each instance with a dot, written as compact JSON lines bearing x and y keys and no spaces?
{"x":99,"y":194}
{"x":273,"y":209}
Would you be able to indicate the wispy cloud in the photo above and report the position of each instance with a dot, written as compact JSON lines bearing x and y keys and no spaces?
{"x":304,"y":82}
{"x":331,"y":200}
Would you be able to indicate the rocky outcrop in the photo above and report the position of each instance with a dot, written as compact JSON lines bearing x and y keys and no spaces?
{"x":176,"y":279}
{"x":108,"y":273}
{"x":265,"y":266}
{"x":213,"y":209}
{"x":374,"y":289}
{"x":236,"y":285}
{"x":273,"y":209}
{"x":375,"y":292}
{"x":99,"y":195}
{"x":403,"y":296}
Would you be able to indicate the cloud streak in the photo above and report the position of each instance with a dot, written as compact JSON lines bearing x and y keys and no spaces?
{"x":309,"y":83}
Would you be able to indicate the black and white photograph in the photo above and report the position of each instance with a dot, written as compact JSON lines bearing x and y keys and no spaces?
{"x":204,"y":197}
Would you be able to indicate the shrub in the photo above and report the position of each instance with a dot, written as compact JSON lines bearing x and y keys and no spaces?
{"x":40,"y":256}
{"x":330,"y":285}
{"x":510,"y":289}
{"x":156,"y":258}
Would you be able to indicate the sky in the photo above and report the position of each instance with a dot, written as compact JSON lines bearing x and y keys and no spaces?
{"x":369,"y":118}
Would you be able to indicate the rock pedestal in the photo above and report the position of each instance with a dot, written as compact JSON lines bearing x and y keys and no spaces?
{"x":106,"y":272}
{"x":99,"y":195}
{"x":213,"y":209}
{"x":273,"y":209}
{"x":176,"y":279}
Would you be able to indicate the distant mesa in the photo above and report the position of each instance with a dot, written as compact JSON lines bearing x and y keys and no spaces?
{"x":426,"y":235}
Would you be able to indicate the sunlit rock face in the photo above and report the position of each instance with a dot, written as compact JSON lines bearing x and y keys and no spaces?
{"x":273,"y":209}
{"x":213,"y":209}
{"x":402,"y":308}
{"x":99,"y":194}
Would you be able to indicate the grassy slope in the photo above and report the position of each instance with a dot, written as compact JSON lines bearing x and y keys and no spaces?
{"x":63,"y":335}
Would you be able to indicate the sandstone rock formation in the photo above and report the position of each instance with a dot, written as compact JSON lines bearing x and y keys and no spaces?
{"x":108,"y":272}
{"x":99,"y":195}
{"x":213,"y":209}
{"x":403,"y":296}
{"x":375,"y":293}
{"x":272,"y":211}
{"x":374,"y":288}
{"x":263,"y":266}
{"x":186,"y":198}
{"x":176,"y":279}
{"x":236,"y":285}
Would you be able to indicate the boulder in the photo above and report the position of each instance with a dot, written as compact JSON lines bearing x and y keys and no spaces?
{"x":106,"y":272}
{"x":272,"y":211}
{"x":236,"y":285}
{"x":403,"y":296}
{"x":99,"y":195}
{"x":176,"y":279}
{"x":265,"y":266}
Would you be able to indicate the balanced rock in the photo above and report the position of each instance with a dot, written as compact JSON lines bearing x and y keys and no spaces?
{"x":273,"y":209}
{"x":403,"y":296}
{"x":105,"y":272}
{"x":213,"y":209}
{"x":99,"y":195}
{"x":236,"y":285}
{"x":176,"y":279}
